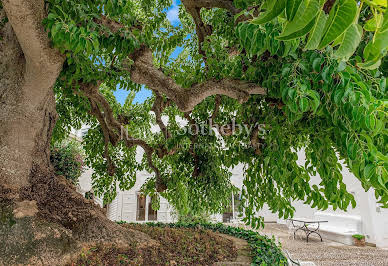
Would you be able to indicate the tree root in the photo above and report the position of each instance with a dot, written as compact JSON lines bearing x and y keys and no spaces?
{"x":48,"y":223}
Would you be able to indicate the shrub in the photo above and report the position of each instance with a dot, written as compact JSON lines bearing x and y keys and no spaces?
{"x":358,"y":237}
{"x":67,"y":159}
{"x":194,"y":218}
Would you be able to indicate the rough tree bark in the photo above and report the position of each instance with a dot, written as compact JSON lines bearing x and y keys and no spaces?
{"x":43,"y":221}
{"x":29,"y":70}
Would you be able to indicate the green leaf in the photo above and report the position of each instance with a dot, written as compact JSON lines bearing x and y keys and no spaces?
{"x":96,"y":45}
{"x":338,"y":94}
{"x":371,"y":25}
{"x":317,"y":63}
{"x":352,"y":150}
{"x":384,"y":25}
{"x":291,"y":8}
{"x":341,"y":66}
{"x":383,"y":84}
{"x":257,"y":42}
{"x":303,"y":104}
{"x":242,"y":29}
{"x":371,"y":64}
{"x":380,"y":2}
{"x":315,"y":100}
{"x":292,"y":94}
{"x":269,"y":15}
{"x":317,"y":31}
{"x":371,"y":121}
{"x":307,"y":12}
{"x":55,"y":29}
{"x":338,"y":40}
{"x":369,"y":171}
{"x":352,"y":39}
{"x":297,"y":34}
{"x":376,"y":49}
{"x":341,"y":17}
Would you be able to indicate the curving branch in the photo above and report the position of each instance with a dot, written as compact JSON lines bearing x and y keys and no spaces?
{"x":225,"y":4}
{"x":26,"y":18}
{"x":113,"y":25}
{"x":217,"y":104}
{"x":203,"y":30}
{"x":112,"y":129}
{"x":158,"y":108}
{"x":255,"y":140}
{"x":193,"y":7}
{"x":144,"y":72}
{"x":193,"y":138}
{"x":107,"y":136}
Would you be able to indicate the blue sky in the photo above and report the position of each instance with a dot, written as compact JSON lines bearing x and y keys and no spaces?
{"x":143,"y":94}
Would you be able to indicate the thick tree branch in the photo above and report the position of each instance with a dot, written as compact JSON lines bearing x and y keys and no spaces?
{"x":144,"y":72}
{"x":26,"y":18}
{"x":113,"y":25}
{"x":255,"y":140}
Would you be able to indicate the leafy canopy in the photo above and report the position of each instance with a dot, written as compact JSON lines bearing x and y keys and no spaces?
{"x":323,"y":67}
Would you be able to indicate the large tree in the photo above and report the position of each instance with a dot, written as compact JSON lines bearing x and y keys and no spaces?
{"x":259,"y":80}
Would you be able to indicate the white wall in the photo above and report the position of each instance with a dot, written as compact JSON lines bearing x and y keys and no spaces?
{"x":374,"y":219}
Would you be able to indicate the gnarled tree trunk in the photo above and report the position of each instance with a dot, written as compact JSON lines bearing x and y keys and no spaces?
{"x":28,"y":71}
{"x":42,"y":219}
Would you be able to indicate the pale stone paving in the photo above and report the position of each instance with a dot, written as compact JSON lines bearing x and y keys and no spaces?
{"x":326,"y":253}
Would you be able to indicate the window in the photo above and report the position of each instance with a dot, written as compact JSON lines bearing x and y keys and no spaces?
{"x":227,"y":216}
{"x":237,"y":203}
{"x":152,"y":214}
{"x":232,"y":210}
{"x":141,"y":207}
{"x":144,"y":211}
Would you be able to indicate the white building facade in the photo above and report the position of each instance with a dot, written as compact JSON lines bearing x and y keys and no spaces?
{"x":367,"y":218}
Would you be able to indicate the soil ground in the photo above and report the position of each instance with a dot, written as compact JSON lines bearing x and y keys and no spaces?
{"x":176,"y":247}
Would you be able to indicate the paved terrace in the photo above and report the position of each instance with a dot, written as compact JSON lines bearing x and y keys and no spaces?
{"x":327,"y":252}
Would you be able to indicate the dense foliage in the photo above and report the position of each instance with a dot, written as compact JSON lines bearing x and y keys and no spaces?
{"x":330,"y":102}
{"x":67,"y":159}
{"x":340,"y":27}
{"x":264,"y":250}
{"x":193,"y":217}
